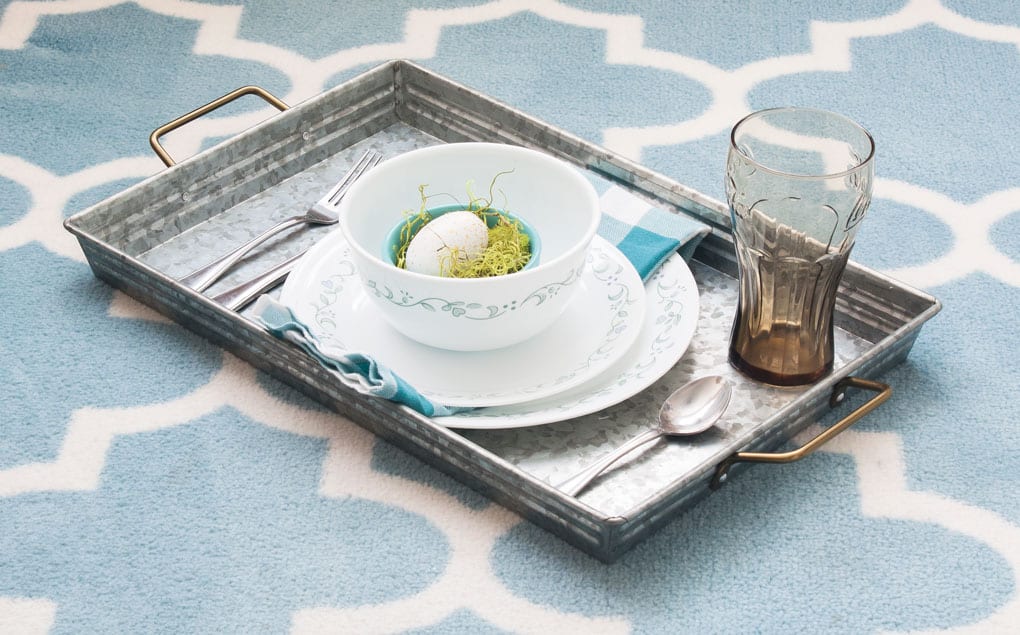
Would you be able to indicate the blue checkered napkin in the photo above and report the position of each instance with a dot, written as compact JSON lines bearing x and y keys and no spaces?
{"x":645,"y":234}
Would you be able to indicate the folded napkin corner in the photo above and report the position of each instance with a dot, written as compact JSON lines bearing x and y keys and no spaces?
{"x":354,"y":370}
{"x":645,"y":234}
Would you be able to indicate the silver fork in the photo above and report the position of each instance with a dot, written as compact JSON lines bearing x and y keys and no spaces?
{"x":322,"y":212}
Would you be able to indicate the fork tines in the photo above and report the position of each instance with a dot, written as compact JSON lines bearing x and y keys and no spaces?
{"x":367,"y":160}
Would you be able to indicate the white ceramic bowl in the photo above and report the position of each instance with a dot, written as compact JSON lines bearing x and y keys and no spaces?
{"x":478,"y":313}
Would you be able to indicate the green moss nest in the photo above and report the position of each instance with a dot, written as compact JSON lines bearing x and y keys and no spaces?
{"x":508,"y":250}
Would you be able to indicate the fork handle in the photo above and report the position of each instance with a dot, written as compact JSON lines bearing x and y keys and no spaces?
{"x":237,"y":298}
{"x":573,"y":485}
{"x":202,"y":278}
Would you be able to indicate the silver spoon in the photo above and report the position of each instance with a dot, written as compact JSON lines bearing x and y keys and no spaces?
{"x":691,"y":409}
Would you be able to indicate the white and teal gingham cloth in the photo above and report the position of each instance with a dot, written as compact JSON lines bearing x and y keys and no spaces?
{"x":646,"y":235}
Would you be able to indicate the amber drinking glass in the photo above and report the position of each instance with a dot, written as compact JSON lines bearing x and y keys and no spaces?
{"x":798,"y":184}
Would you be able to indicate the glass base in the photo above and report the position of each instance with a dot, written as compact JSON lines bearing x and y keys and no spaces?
{"x":777,"y":379}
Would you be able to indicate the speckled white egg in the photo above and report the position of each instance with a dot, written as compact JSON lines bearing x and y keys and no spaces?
{"x":462,"y":233}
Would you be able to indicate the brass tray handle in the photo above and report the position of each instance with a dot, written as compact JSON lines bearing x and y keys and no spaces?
{"x":206,"y":109}
{"x":838,"y":395}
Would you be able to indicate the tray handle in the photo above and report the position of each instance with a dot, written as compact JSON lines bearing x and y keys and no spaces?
{"x":206,"y":109}
{"x":838,"y":395}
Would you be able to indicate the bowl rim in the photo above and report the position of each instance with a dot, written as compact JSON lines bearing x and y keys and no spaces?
{"x":568,"y":255}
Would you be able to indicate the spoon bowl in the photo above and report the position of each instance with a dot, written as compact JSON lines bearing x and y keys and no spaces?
{"x":690,"y":409}
{"x":694,"y":407}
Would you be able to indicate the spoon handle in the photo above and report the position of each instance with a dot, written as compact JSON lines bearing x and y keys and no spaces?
{"x":573,"y":485}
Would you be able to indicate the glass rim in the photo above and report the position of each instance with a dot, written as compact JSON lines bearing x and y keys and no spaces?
{"x":819,"y":111}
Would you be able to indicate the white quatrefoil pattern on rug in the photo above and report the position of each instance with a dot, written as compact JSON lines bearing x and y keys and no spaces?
{"x":150,"y":482}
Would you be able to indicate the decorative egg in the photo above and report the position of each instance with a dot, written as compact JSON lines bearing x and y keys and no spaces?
{"x":455,"y":234}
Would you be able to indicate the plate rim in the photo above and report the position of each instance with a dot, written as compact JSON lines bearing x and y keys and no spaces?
{"x":305,"y":275}
{"x":477,"y":420}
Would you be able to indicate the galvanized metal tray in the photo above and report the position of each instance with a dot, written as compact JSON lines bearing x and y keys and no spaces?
{"x":145,"y":237}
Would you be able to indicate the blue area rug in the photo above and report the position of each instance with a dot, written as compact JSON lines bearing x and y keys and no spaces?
{"x":151,"y":483}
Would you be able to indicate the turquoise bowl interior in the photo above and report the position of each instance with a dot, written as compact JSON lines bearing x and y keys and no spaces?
{"x":392,"y":242}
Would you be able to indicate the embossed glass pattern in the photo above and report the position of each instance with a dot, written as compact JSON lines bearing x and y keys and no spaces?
{"x":798,"y":184}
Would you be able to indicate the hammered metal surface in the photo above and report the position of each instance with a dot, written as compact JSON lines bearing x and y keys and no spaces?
{"x":550,"y":452}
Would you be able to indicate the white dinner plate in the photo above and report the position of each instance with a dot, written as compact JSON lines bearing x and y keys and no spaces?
{"x":597,"y":328}
{"x":671,"y":317}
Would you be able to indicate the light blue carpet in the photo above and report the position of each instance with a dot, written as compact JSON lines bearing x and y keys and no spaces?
{"x":150,"y":483}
